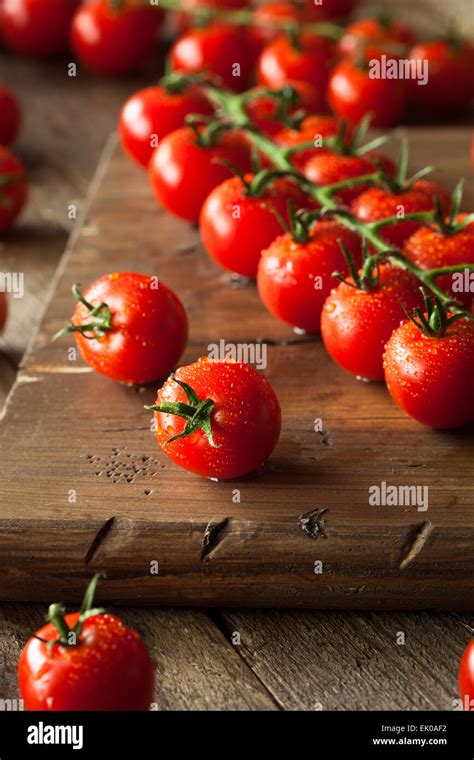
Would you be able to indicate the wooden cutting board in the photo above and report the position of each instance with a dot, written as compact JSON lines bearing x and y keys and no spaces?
{"x":84,"y":487}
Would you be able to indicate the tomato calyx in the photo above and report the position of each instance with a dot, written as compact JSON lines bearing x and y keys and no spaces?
{"x":196,"y":412}
{"x":206,"y":136}
{"x":344,"y":145}
{"x":286,"y":98}
{"x":436,"y":321}
{"x":401,"y":183}
{"x":367,"y":278}
{"x":70,"y":636}
{"x":175,"y":82}
{"x":100,"y":324}
{"x":451,"y":226}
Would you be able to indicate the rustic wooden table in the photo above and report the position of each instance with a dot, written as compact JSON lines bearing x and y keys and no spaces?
{"x":222,"y":659}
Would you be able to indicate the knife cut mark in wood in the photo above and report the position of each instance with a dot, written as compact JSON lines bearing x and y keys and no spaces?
{"x":98,"y":539}
{"x":312,"y":523}
{"x":416,"y":540}
{"x":212,"y":537}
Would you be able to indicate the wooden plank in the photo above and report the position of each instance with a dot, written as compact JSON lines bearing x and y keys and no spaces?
{"x":352,"y":661}
{"x":195,"y":667}
{"x":133,"y":506}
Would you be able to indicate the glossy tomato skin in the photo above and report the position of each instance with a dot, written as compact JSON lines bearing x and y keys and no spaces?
{"x":109,"y":669}
{"x":113,"y":42}
{"x":3,"y":310}
{"x":149,"y":328}
{"x":294,"y":279}
{"x":236,"y":242}
{"x":246,"y":419}
{"x":356,"y":324}
{"x":431,"y":378}
{"x":281,"y":62}
{"x":152,"y":113}
{"x":12,"y":195}
{"x":312,"y":129}
{"x":466,"y":676}
{"x":10,"y":116}
{"x":377,"y":203}
{"x":430,"y":249}
{"x":216,"y":49}
{"x":352,"y":94}
{"x":183,"y":173}
{"x":450,"y":84}
{"x":373,"y":37}
{"x":328,"y":167}
{"x":38,"y":28}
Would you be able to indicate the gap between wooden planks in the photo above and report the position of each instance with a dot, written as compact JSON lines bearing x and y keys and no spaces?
{"x":70,"y":432}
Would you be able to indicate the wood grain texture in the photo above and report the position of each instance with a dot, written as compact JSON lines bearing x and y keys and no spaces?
{"x":120,"y":504}
{"x":195,"y":667}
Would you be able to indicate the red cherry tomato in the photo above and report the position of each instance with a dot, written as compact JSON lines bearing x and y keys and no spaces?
{"x":3,"y":310}
{"x":266,"y":18}
{"x":356,"y":324}
{"x":39,"y":28}
{"x":294,"y":278}
{"x":312,"y":129}
{"x":237,"y":225}
{"x":450,"y":84}
{"x":263,"y":110}
{"x":113,"y":42}
{"x":13,"y":188}
{"x":151,"y":114}
{"x":282,"y":61}
{"x":430,"y":249}
{"x":102,"y":665}
{"x":140,"y":330}
{"x":240,"y":419}
{"x":431,"y":378}
{"x":10,"y":116}
{"x":225,"y":51}
{"x":352,"y":94}
{"x":466,"y":676}
{"x":326,"y":168}
{"x":373,"y":36}
{"x":377,"y":204}
{"x":183,"y":173}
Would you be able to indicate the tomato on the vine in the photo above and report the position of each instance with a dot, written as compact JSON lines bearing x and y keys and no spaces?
{"x":370,"y":37}
{"x":152,"y":113}
{"x":376,"y":204}
{"x":10,"y":116}
{"x":129,"y":327}
{"x":352,"y":94}
{"x":86,"y":660}
{"x":356,"y":322}
{"x":38,"y":28}
{"x":186,"y":167}
{"x":242,"y":216}
{"x":313,"y":129}
{"x":218,"y":419}
{"x":296,"y":275}
{"x":327,"y":167}
{"x":224,"y":51}
{"x":266,"y":18}
{"x":13,"y":188}
{"x":306,"y":59}
{"x":466,"y":676}
{"x":263,"y":109}
{"x":449,"y":87}
{"x":429,"y":371}
{"x":113,"y":41}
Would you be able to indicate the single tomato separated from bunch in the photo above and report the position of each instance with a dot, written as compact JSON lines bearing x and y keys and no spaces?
{"x":86,"y":660}
{"x":38,"y":28}
{"x":187,"y":165}
{"x":113,"y":41}
{"x":13,"y":188}
{"x":243,"y":215}
{"x":359,"y":316}
{"x":429,"y":367}
{"x":129,"y":327}
{"x":352,"y":94}
{"x":449,"y":85}
{"x":10,"y":116}
{"x":152,"y":113}
{"x":295,"y":273}
{"x":225,"y":51}
{"x":218,"y":419}
{"x":466,"y":677}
